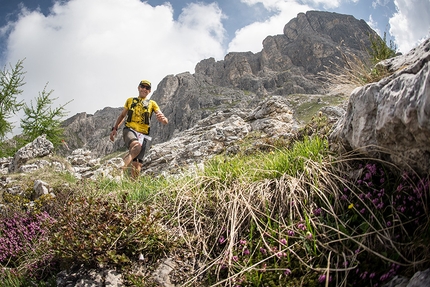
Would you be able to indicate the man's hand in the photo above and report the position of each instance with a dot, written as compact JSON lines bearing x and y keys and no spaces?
{"x":161,"y":118}
{"x":112,"y":134}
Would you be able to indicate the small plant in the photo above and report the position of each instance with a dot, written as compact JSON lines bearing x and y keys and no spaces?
{"x":98,"y":230}
{"x":387,"y":213}
{"x":355,"y":72}
{"x":22,"y":245}
{"x":380,"y":50}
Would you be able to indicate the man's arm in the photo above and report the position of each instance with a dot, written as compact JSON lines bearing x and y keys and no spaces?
{"x":118,"y":122}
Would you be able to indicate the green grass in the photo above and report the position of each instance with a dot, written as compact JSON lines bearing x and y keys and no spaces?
{"x":278,"y":213}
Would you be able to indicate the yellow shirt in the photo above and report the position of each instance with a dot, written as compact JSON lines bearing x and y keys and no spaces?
{"x":137,"y":121}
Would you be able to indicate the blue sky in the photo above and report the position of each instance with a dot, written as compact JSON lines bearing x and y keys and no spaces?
{"x":94,"y":52}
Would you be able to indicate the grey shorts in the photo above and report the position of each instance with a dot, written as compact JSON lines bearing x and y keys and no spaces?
{"x":129,"y":136}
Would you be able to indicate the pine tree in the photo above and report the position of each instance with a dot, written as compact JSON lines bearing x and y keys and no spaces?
{"x":10,"y":83}
{"x":41,"y":119}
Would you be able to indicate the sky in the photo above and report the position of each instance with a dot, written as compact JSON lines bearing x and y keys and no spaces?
{"x":92,"y":53}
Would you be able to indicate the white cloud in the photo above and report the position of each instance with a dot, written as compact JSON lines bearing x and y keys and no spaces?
{"x":96,"y":51}
{"x":380,"y":3}
{"x":250,"y":38}
{"x":409,"y":23}
{"x":276,"y":4}
{"x":373,"y":24}
{"x":204,"y":18}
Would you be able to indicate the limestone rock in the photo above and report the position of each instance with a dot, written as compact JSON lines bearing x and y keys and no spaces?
{"x":38,"y":148}
{"x":41,"y":188}
{"x":420,"y":279}
{"x":391,"y":118}
{"x":90,"y":278}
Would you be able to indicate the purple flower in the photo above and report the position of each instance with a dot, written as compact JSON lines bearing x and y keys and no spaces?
{"x":367,"y":176}
{"x":221,"y":240}
{"x":290,"y":233}
{"x":281,"y":254}
{"x":242,"y":242}
{"x":301,"y":226}
{"x":384,"y":277}
{"x":263,"y":269}
{"x":283,"y":241}
{"x":322,"y":278}
{"x":262,"y":250}
{"x":287,"y":272}
{"x":246,"y":251}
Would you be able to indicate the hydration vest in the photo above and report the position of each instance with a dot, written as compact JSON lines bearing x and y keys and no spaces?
{"x":146,"y":116}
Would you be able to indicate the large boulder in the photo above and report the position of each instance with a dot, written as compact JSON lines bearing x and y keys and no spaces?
{"x":38,"y":148}
{"x":391,"y":118}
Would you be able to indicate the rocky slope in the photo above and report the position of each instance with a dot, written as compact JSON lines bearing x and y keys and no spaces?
{"x":392,"y":114}
{"x":288,"y":66}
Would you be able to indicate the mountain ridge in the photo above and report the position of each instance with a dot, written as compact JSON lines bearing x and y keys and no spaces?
{"x":289,"y":64}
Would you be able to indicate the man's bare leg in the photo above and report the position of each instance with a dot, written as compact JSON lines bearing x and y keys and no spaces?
{"x":133,"y":152}
{"x":135,"y":171}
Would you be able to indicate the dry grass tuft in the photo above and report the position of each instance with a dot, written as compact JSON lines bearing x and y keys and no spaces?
{"x":352,"y":73}
{"x":293,"y":229}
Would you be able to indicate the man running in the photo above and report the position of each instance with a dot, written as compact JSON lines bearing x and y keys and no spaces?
{"x":136,"y":131}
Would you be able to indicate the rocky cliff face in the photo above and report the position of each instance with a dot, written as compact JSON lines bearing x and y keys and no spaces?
{"x":287,"y":65}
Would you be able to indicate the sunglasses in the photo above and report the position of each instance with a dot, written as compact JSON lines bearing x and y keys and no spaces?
{"x":145,"y":87}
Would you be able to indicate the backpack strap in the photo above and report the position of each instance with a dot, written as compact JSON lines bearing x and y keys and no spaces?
{"x":131,"y":109}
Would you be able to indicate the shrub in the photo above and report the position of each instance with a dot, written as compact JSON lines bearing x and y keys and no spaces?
{"x":22,"y":244}
{"x":97,"y":230}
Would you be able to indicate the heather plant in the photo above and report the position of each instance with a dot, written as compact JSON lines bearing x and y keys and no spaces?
{"x":23,"y":251}
{"x":387,"y":215}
